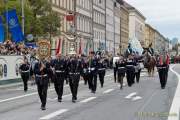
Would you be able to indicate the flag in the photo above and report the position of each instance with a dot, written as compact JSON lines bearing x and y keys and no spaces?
{"x":80,"y":47}
{"x":58,"y":46}
{"x":1,"y":31}
{"x":14,"y":26}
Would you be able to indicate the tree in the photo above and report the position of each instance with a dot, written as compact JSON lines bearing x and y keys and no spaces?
{"x":40,"y":20}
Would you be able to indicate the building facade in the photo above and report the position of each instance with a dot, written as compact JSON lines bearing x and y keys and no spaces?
{"x":99,"y":24}
{"x":117,"y":27}
{"x":136,"y":24}
{"x":84,"y":23}
{"x":149,"y":36}
{"x":63,"y":8}
{"x":124,"y":27}
{"x":110,"y":36}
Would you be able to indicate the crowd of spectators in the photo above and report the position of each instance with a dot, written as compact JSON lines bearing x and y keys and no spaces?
{"x":10,"y":48}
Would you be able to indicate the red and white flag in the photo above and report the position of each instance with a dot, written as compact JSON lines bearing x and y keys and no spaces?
{"x":58,"y":46}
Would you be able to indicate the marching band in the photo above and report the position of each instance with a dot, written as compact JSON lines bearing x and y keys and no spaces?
{"x":74,"y":67}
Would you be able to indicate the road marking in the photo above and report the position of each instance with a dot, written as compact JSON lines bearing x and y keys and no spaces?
{"x":35,"y":93}
{"x":131,"y":95}
{"x":54,"y":114}
{"x":88,"y":99}
{"x":108,"y":91}
{"x":136,"y":98}
{"x":175,"y":106}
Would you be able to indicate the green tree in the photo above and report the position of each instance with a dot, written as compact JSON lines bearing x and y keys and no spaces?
{"x":40,"y":20}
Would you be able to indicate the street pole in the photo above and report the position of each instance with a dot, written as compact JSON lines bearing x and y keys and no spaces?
{"x":23,"y":17}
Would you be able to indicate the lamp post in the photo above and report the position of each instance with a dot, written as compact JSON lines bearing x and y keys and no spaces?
{"x":23,"y":17}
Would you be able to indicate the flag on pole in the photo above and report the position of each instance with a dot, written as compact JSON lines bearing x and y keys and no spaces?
{"x":80,"y":47}
{"x":14,"y":26}
{"x":58,"y":46}
{"x":2,"y":37}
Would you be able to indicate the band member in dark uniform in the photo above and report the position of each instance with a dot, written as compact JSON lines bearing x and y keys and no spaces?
{"x":85,"y":73}
{"x":115,"y":71}
{"x":25,"y":73}
{"x":101,"y":71}
{"x":151,"y":50}
{"x":93,"y":70}
{"x":163,"y":68}
{"x":41,"y":76}
{"x":75,"y":71}
{"x":130,"y":70}
{"x":121,"y":67}
{"x":66,"y":71}
{"x":138,"y":61}
{"x":60,"y":67}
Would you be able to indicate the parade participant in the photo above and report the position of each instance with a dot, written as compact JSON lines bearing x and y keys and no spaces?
{"x":151,"y":50}
{"x":25,"y":73}
{"x":66,"y":71}
{"x":163,"y":68}
{"x":60,"y":67}
{"x":41,"y":77}
{"x":129,"y":51}
{"x":115,"y":70}
{"x":75,"y":70}
{"x":101,"y":71}
{"x":92,"y":68}
{"x":138,"y":61}
{"x":130,"y":70}
{"x":121,"y":68}
{"x":85,"y":71}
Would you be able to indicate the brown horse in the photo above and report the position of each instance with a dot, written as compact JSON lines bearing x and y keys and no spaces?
{"x":149,"y":63}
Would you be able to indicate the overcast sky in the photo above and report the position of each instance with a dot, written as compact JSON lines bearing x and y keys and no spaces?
{"x":164,"y":15}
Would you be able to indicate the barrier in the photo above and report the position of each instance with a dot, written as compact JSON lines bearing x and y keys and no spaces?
{"x":9,"y":67}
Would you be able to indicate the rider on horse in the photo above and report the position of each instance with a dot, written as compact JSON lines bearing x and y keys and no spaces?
{"x":150,"y":50}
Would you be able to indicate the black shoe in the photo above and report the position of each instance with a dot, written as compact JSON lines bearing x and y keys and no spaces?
{"x":162,"y":87}
{"x":59,"y":100}
{"x":101,"y":86}
{"x":43,"y":108}
{"x":73,"y":101}
{"x":121,"y":87}
{"x":93,"y":91}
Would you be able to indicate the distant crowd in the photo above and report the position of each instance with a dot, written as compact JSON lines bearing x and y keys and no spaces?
{"x":10,"y":48}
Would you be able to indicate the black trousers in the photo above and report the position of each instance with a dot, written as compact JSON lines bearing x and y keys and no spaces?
{"x":163,"y":75}
{"x":115,"y":75}
{"x":42,"y":90}
{"x":59,"y":85}
{"x":101,"y":77}
{"x":137,"y":75}
{"x":93,"y":82}
{"x":85,"y":77}
{"x":74,"y":84}
{"x":120,"y":78}
{"x":130,"y":77}
{"x":25,"y":78}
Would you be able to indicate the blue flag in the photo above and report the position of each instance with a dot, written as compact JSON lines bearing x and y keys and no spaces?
{"x":2,"y":36}
{"x":14,"y":26}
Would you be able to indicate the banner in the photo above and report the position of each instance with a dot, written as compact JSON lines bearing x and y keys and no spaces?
{"x":2,"y":36}
{"x":14,"y":26}
{"x":136,"y":45}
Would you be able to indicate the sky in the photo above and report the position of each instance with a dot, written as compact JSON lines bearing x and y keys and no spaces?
{"x":163,"y":15}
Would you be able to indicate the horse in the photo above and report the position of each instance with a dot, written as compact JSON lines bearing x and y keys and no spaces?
{"x":149,"y":63}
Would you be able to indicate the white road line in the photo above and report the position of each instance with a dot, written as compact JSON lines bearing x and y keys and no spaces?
{"x":175,"y":106}
{"x":35,"y":93}
{"x":88,"y":99}
{"x":131,"y":95}
{"x":54,"y":114}
{"x":136,"y":98}
{"x":108,"y":91}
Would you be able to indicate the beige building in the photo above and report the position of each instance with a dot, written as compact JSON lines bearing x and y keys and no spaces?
{"x":124,"y":29}
{"x":136,"y":24}
{"x":63,"y":8}
{"x":149,"y":36}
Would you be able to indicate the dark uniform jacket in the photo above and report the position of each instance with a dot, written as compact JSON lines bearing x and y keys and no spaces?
{"x":121,"y":66}
{"x":101,"y":66}
{"x":93,"y":66}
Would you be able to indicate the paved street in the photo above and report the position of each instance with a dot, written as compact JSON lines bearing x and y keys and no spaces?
{"x":143,"y":101}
